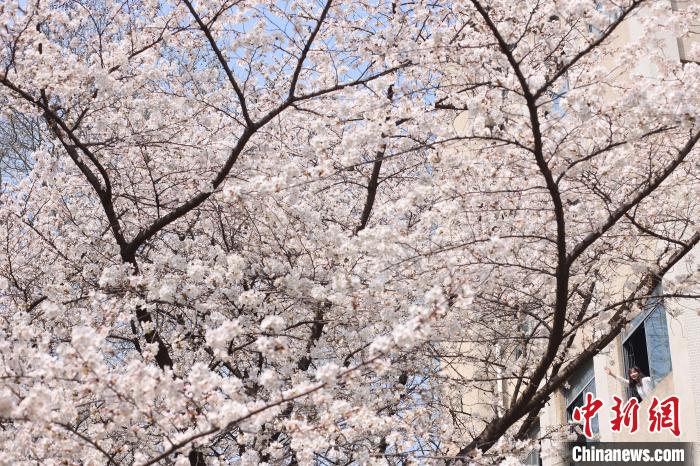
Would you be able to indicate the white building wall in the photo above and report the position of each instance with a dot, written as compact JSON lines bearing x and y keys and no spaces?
{"x":683,"y":321}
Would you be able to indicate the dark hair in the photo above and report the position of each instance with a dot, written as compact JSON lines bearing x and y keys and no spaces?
{"x":633,"y":383}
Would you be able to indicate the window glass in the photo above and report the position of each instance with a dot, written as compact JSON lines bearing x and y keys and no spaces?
{"x":581,"y":383}
{"x":557,"y":107}
{"x":657,"y":344}
{"x":533,"y":459}
{"x":580,"y":380}
{"x":653,"y":302}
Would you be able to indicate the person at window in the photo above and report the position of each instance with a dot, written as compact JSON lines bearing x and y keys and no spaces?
{"x":637,"y":381}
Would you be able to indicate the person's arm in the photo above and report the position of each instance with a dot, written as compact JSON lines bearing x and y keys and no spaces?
{"x":648,"y":384}
{"x":622,"y":380}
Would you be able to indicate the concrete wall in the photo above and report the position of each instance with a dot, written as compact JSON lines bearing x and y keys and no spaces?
{"x":683,"y":323}
{"x":683,"y":318}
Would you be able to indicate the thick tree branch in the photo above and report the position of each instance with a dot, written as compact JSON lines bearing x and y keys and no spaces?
{"x":620,"y":212}
{"x":222,"y":61}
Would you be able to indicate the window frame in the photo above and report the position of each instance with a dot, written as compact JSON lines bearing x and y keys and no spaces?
{"x":653,"y":304}
{"x":570,"y":397}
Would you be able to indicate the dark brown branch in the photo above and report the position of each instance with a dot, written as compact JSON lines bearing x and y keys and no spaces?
{"x":59,"y":129}
{"x":222,"y":61}
{"x":371,"y":191}
{"x":620,"y":212}
{"x":193,"y":202}
{"x":495,"y":429}
{"x":305,"y":50}
{"x":567,"y":66}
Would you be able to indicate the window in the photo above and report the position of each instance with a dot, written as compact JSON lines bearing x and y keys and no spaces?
{"x":528,"y":328}
{"x":645,"y":341}
{"x":580,"y":383}
{"x":534,"y":459}
{"x":612,"y":13}
{"x":557,"y":107}
{"x":525,"y":328}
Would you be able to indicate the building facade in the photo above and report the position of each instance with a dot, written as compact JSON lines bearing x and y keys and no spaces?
{"x":663,"y":339}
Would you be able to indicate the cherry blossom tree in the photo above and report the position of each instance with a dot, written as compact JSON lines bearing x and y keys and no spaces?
{"x":251,"y":232}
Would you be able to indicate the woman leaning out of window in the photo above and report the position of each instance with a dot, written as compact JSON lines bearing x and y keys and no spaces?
{"x":640,"y":384}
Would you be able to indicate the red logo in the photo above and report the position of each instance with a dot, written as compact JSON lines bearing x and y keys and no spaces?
{"x":627,"y":415}
{"x":586,"y":412}
{"x":664,"y":415}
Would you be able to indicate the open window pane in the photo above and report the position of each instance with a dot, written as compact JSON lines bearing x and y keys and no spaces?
{"x":657,"y":344}
{"x":646,"y":343}
{"x":652,"y":303}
